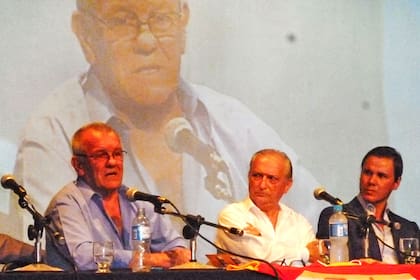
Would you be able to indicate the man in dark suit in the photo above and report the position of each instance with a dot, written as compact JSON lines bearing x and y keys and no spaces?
{"x":374,"y":231}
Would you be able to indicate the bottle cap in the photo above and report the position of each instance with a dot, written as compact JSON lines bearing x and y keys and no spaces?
{"x":338,"y":208}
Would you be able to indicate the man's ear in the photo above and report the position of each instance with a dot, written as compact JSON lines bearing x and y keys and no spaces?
{"x":185,"y":16}
{"x":289,"y":185}
{"x":82,"y":34}
{"x":397,"y":184}
{"x":78,"y":165}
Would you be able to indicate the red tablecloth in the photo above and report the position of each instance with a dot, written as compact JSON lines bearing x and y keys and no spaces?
{"x":362,"y":268}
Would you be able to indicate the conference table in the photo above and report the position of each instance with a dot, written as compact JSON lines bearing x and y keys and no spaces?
{"x":184,"y":274}
{"x":254,"y":271}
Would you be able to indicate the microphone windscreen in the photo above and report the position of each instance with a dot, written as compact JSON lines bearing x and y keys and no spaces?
{"x":130,"y":193}
{"x":5,"y":179}
{"x":318,"y":192}
{"x":172,"y":130}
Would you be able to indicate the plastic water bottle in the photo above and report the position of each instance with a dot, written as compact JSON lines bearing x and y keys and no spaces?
{"x":338,"y":226}
{"x":140,"y":238}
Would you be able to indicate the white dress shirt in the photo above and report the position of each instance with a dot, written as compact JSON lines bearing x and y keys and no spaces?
{"x":287,"y":241}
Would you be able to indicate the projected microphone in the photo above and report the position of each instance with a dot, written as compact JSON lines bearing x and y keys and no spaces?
{"x":321,"y":194}
{"x":8,"y":182}
{"x":180,"y":138}
{"x":133,"y":195}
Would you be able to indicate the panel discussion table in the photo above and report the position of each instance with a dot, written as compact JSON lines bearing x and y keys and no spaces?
{"x":376,"y":271}
{"x":187,"y":274}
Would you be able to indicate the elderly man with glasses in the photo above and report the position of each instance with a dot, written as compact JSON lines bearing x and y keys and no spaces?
{"x":95,"y":207}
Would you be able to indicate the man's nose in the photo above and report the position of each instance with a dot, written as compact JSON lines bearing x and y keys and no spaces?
{"x":372,"y":180}
{"x":146,"y":41}
{"x":111,"y":160}
{"x":264,"y":182}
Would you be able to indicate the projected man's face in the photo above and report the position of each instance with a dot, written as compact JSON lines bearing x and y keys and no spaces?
{"x":134,"y":46}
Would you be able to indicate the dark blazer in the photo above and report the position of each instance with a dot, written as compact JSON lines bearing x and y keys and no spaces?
{"x":402,"y":228}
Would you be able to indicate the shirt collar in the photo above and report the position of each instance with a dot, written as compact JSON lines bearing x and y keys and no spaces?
{"x":250,"y":205}
{"x":89,"y":193}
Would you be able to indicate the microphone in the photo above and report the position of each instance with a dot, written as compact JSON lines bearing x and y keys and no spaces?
{"x":133,"y":195}
{"x":8,"y":182}
{"x":180,"y":138}
{"x":321,"y":194}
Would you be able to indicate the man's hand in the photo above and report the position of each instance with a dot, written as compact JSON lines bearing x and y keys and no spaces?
{"x":166,"y":259}
{"x":179,"y":255}
{"x":314,"y":252}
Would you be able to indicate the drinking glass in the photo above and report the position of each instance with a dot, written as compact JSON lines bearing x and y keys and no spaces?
{"x":410,"y":248}
{"x":103,"y":254}
{"x":324,"y":246}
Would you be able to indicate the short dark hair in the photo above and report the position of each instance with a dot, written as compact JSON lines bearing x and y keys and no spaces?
{"x":387,"y":152}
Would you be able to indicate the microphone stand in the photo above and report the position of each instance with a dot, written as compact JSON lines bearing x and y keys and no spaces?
{"x":365,"y":223}
{"x":366,"y":242}
{"x":190,"y":231}
{"x":35,"y":232}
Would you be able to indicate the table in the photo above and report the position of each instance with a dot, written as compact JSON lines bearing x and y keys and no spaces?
{"x":184,"y":274}
{"x":360,"y":270}
{"x":364,"y":271}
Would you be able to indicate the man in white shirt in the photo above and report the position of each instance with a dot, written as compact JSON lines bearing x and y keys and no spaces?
{"x":272,"y":231}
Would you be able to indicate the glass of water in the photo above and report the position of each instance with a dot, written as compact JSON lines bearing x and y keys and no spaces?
{"x":324,"y":246}
{"x":410,"y":248}
{"x":103,"y":255}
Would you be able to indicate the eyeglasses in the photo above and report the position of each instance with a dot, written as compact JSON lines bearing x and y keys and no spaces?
{"x":118,"y":155}
{"x":295,"y":263}
{"x":257,"y":177}
{"x":128,"y":24}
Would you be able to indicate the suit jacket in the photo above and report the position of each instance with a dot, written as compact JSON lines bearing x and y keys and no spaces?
{"x":357,"y":224}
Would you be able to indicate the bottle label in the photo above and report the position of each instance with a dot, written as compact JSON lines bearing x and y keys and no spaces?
{"x":338,"y":230}
{"x":140,"y":232}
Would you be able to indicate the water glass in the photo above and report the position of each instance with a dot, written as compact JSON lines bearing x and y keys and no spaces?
{"x":410,"y":248}
{"x":103,"y":255}
{"x":324,"y":246}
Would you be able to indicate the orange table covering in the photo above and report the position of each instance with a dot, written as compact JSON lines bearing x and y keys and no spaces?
{"x":355,"y":270}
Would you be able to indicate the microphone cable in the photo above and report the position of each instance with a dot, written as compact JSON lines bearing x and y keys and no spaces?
{"x":394,"y":248}
{"x":276,"y":275}
{"x":197,"y":233}
{"x":364,"y":224}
